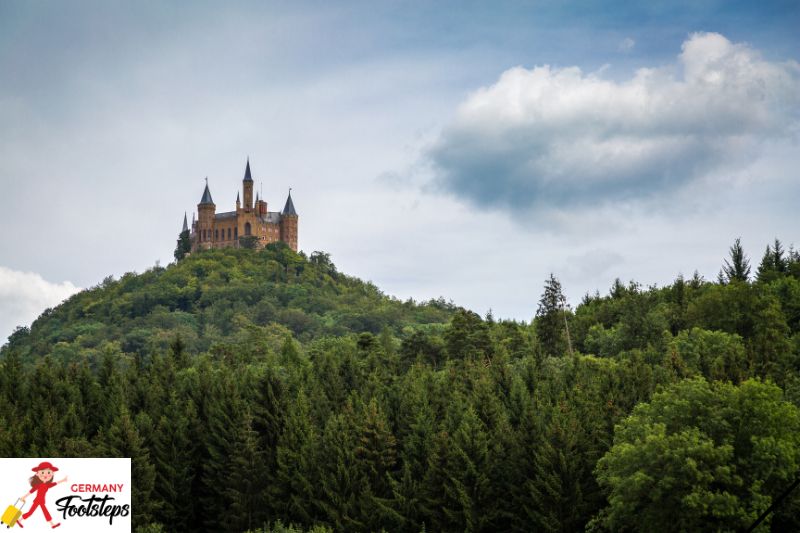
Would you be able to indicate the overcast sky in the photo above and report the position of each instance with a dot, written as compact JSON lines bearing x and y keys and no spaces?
{"x":456,"y":149}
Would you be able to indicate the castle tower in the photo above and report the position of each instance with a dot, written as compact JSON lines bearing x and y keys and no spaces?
{"x":289,"y":223}
{"x":247,"y":183}
{"x":261,"y":206}
{"x":205,"y":224}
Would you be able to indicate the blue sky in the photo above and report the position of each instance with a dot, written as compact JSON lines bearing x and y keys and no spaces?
{"x":461,"y":149}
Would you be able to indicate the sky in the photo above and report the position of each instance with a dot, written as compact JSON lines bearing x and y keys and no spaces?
{"x":455,"y":149}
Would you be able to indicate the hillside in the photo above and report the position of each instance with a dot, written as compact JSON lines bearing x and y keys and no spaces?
{"x":256,"y":389}
{"x":216,"y":297}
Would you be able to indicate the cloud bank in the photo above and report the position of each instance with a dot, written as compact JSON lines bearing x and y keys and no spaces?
{"x":23,"y":297}
{"x":558,"y":137}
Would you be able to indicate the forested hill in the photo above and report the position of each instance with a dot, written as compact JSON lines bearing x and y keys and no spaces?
{"x":259,"y":389}
{"x":217,"y":298}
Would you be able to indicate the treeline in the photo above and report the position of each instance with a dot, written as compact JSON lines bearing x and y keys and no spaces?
{"x":664,"y":409}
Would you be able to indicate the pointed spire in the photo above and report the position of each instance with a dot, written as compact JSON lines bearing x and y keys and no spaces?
{"x":288,"y":209}
{"x":237,"y":197}
{"x":185,"y":223}
{"x":247,"y":176}
{"x":206,"y":195}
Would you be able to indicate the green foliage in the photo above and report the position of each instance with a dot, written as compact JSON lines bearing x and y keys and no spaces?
{"x":255,"y":389}
{"x":701,"y":456}
{"x":713,"y":354}
{"x":738,"y":268}
{"x":214,"y":296}
{"x":248,"y":242}
{"x":184,"y":245}
{"x":550,"y":319}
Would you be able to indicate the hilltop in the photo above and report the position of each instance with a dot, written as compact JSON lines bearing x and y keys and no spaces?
{"x":216,"y":297}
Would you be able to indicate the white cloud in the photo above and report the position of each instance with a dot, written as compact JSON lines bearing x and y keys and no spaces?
{"x":560,"y":137}
{"x":24,"y":295}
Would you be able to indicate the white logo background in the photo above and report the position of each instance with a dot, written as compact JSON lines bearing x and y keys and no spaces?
{"x":14,"y":475}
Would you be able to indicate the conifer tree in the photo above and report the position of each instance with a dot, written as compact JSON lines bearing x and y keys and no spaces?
{"x":224,"y":428}
{"x":778,"y":257}
{"x":467,"y":486}
{"x":550,"y":319}
{"x":433,"y":498}
{"x":123,"y":440}
{"x":340,"y":480}
{"x":246,"y":480}
{"x":296,"y":486}
{"x":175,"y":457}
{"x":467,"y":337}
{"x":376,"y":454}
{"x":773,"y":264}
{"x":184,"y":245}
{"x":738,"y":268}
{"x":556,"y":499}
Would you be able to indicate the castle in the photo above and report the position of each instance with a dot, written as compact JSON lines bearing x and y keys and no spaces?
{"x":250,"y":225}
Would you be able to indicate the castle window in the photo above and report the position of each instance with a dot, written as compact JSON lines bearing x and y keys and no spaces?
{"x":247,"y":229}
{"x":216,"y":234}
{"x":229,"y":233}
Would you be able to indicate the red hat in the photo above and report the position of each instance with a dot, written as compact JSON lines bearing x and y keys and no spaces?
{"x":43,"y":466}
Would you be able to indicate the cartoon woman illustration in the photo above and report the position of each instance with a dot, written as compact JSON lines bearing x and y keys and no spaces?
{"x":41,"y":482}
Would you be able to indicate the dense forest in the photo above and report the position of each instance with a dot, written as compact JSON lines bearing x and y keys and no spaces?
{"x":265,"y":391}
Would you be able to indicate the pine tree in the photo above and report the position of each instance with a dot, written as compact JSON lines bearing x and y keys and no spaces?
{"x":123,"y":440}
{"x":467,"y":487}
{"x":556,"y":499}
{"x":340,"y":480}
{"x":296,"y":485}
{"x":432,"y":499}
{"x":779,"y":261}
{"x":175,"y":456}
{"x":738,"y":268}
{"x":223,"y":427}
{"x":246,"y":480}
{"x":550,"y":319}
{"x":268,"y":405}
{"x":376,"y":454}
{"x":177,"y":350}
{"x":467,"y":337}
{"x":774,"y":263}
{"x":184,"y":245}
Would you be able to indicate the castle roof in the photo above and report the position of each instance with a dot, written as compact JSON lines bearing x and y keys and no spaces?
{"x":227,"y":214}
{"x":288,"y":209}
{"x":185,"y":224}
{"x":206,"y":196}
{"x":247,"y":176}
{"x":272,"y":217}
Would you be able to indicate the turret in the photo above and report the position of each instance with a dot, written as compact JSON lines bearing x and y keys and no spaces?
{"x":247,"y":183}
{"x":289,"y":219}
{"x":261,"y":206}
{"x":205,"y":224}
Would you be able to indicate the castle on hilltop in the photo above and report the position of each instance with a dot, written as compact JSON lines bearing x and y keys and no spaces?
{"x":251,"y":225}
